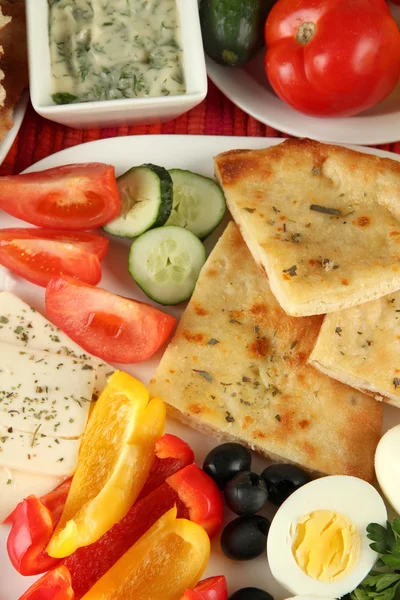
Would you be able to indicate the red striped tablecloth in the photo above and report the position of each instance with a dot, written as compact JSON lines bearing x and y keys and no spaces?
{"x":217,"y":115}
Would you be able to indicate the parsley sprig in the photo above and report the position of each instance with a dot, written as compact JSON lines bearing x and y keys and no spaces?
{"x":383,"y":584}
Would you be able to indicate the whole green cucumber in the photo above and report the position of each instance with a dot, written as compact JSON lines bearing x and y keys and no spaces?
{"x":233,"y":30}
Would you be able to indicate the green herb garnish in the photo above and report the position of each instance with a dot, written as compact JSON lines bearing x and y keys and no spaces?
{"x":326,"y":210}
{"x":382,"y":585}
{"x":204,"y":374}
{"x":64,"y":98}
{"x":35,"y":435}
{"x":291,"y":271}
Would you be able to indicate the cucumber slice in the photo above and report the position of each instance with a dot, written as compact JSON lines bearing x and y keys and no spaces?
{"x":166,"y":263}
{"x":199,"y":203}
{"x":146,"y":201}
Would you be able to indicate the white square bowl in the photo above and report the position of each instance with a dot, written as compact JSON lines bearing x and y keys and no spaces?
{"x":111,"y":113}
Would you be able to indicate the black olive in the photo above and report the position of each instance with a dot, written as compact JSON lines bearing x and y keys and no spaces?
{"x":246,"y":493}
{"x":245,"y":538}
{"x":226,"y":461}
{"x":251,"y":593}
{"x":282,"y":481}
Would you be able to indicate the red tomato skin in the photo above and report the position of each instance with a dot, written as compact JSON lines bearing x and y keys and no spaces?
{"x":351,"y":63}
{"x":114,"y":328}
{"x":90,"y":242}
{"x":72,"y":197}
{"x":38,"y":255}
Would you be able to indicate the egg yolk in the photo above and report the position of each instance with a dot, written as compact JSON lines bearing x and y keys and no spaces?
{"x":326,"y":545}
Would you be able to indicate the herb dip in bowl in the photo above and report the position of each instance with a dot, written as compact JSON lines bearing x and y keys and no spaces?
{"x":117,"y":49}
{"x":108,"y":63}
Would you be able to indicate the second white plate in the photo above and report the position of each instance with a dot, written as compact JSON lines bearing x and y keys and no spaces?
{"x":248,"y":88}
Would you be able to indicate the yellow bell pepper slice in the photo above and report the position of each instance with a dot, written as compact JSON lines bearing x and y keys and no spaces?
{"x":167,"y":560}
{"x":114,"y":461}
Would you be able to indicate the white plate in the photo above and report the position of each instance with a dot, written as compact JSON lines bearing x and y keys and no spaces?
{"x":186,"y":152}
{"x":248,"y":88}
{"x":19,"y":113}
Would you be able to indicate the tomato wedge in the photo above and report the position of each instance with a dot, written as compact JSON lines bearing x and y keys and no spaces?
{"x":38,"y":255}
{"x":112,"y":327}
{"x":73,"y":197}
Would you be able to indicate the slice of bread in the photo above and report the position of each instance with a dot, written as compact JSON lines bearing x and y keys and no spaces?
{"x":360,"y":346}
{"x":321,"y":220}
{"x":237,"y":368}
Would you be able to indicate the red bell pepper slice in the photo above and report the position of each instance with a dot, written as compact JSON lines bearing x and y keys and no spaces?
{"x":213,"y":588}
{"x":192,"y":486}
{"x":183,"y":489}
{"x":34,"y":519}
{"x":55,"y":500}
{"x":202,"y":497}
{"x":172,"y":455}
{"x":33,"y":522}
{"x":55,"y":585}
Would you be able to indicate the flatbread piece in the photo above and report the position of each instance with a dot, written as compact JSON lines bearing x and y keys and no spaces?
{"x":322,"y":221}
{"x":360,"y":346}
{"x":237,"y":368}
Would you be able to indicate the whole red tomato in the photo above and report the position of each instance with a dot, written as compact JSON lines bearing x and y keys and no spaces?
{"x":332,"y":57}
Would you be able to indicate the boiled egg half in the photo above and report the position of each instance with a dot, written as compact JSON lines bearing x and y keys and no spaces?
{"x":317,"y":544}
{"x":387,"y":466}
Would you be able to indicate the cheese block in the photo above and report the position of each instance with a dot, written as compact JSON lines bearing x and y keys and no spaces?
{"x":15,"y":486}
{"x":42,"y":389}
{"x":322,"y":221}
{"x":237,"y":369}
{"x":38,"y":453}
{"x":21,"y":324}
{"x":360,"y":346}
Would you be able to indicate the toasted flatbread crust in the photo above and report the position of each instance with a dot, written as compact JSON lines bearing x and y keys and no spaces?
{"x":317,"y":262}
{"x":360,"y":346}
{"x":237,"y":368}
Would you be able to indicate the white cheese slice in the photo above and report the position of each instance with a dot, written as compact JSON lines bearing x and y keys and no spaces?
{"x":22,"y":325}
{"x":38,"y":453}
{"x":39,"y":388}
{"x":15,"y":486}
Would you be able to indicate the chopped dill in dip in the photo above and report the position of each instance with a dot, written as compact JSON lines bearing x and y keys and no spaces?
{"x":111,"y":49}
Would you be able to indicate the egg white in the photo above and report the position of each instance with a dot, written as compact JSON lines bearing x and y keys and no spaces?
{"x":387,"y":466}
{"x":351,"y":497}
